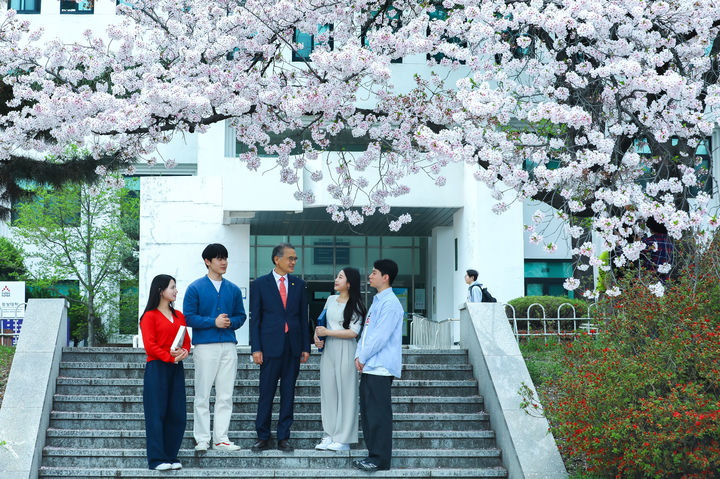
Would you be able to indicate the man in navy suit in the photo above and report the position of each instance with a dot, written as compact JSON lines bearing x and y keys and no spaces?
{"x":279,"y":341}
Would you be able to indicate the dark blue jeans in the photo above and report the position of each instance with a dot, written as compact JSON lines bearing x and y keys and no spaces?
{"x":165,"y":413}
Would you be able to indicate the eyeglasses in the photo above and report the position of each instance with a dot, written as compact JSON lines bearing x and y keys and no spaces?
{"x":292,"y":259}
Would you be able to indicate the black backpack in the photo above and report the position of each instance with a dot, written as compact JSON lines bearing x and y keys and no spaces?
{"x":486,"y":296}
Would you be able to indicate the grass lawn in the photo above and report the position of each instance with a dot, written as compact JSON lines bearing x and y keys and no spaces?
{"x":6,"y":357}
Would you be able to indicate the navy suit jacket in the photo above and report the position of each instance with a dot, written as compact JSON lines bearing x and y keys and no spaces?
{"x":268,"y":317}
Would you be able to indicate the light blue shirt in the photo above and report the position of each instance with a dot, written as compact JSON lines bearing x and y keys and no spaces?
{"x":381,"y":343}
{"x":475,"y":292}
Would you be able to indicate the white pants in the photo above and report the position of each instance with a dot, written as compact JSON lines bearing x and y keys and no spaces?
{"x":215,"y":363}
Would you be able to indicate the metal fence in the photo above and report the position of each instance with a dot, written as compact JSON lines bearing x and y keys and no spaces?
{"x":431,"y":334}
{"x":559,"y":328}
{"x":10,"y":325}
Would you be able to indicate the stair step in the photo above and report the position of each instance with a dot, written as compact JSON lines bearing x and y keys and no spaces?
{"x":97,"y":426}
{"x":410,"y":356}
{"x":300,"y":458}
{"x":303,"y":404}
{"x":341,"y":473}
{"x":248,"y":370}
{"x":113,"y":438}
{"x":246,"y":421}
{"x":247,"y":387}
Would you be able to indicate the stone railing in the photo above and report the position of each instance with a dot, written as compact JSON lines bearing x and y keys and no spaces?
{"x":25,"y":412}
{"x":528,"y":448}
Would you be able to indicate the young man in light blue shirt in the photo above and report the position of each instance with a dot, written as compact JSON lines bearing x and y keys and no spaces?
{"x":379,"y":359}
{"x":474,"y":286}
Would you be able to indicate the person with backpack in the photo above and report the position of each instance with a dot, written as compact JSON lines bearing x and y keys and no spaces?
{"x":474,"y":286}
{"x":477,"y":293}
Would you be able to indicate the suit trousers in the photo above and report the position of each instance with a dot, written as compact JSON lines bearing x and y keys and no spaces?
{"x":286,"y":369}
{"x":215,"y":363}
{"x":165,"y":415}
{"x":376,"y":417}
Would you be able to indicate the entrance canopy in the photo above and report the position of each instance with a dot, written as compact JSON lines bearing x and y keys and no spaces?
{"x":317,"y":221}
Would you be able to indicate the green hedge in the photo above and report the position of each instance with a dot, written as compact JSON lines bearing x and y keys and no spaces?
{"x":551,"y":305}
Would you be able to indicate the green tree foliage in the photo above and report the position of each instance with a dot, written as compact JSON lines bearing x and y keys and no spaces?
{"x":12,"y":266}
{"x":75,"y":231}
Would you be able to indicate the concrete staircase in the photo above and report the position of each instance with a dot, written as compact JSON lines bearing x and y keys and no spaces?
{"x":97,"y":427}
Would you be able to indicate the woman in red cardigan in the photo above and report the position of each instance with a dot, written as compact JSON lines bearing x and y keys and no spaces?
{"x":164,"y":384}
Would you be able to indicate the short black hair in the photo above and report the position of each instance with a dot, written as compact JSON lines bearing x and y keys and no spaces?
{"x":387,"y":267}
{"x":214,"y":250}
{"x":655,"y":227}
{"x":473,"y":274}
{"x":279,"y":250}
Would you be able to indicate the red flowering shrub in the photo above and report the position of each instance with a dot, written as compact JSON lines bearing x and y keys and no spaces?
{"x":643,"y":398}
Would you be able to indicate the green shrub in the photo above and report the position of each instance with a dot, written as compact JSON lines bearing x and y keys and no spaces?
{"x":551,"y":305}
{"x":643,"y":398}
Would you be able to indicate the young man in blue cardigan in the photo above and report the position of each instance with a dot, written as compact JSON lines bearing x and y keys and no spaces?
{"x":213,"y":308}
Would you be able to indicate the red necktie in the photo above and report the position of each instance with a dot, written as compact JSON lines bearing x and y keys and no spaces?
{"x":283,"y":296}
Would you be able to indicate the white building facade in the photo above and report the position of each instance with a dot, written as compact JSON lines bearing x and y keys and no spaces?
{"x":212,"y":197}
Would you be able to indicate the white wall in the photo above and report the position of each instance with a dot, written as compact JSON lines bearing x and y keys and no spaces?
{"x":489,"y":243}
{"x":552,"y":229}
{"x":423,"y":191}
{"x":179,"y":216}
{"x":70,"y":27}
{"x":441,"y":270}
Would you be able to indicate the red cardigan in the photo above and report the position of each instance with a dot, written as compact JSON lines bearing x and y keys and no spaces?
{"x":158,"y":334}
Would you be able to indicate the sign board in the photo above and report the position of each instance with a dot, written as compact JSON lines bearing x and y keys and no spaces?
{"x":12,"y":295}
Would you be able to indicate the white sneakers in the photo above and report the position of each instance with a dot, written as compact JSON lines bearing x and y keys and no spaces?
{"x":326,"y":441}
{"x":327,"y":444}
{"x":166,"y":466}
{"x":218,"y":446}
{"x":226,"y":446}
{"x":202,"y":446}
{"x":338,"y":446}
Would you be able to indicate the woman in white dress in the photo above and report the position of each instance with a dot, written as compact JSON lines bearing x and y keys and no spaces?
{"x":345,"y":313}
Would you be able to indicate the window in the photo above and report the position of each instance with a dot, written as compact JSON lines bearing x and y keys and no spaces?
{"x":129,"y":298}
{"x":546,"y":277}
{"x":441,"y":14}
{"x":343,"y":141}
{"x":62,"y":210}
{"x":24,"y":6}
{"x":311,"y":41}
{"x":77,"y":6}
{"x":517,"y":51}
{"x":391,"y":17}
{"x":702,"y":170}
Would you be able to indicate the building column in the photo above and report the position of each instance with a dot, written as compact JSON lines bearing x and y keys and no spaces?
{"x":489,"y":243}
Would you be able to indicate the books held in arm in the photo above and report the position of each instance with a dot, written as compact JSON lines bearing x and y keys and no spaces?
{"x":321,"y":321}
{"x":177,"y":342}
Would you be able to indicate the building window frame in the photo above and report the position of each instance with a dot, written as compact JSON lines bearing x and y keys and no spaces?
{"x":24,"y":11}
{"x":66,"y":7}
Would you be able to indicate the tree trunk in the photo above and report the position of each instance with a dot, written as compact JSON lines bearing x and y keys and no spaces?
{"x":91,"y":321}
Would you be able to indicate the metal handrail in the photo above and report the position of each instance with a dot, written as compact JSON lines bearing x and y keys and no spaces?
{"x":430,"y":334}
{"x":559,"y":333}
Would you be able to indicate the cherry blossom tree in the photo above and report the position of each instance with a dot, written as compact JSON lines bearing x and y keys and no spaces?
{"x":595,"y":107}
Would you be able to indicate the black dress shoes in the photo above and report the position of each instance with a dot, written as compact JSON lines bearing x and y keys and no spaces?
{"x":284,"y":446}
{"x":260,"y":445}
{"x":367,"y":466}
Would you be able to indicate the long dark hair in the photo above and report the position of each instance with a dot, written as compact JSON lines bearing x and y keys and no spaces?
{"x":158,"y":285}
{"x":355,"y":303}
